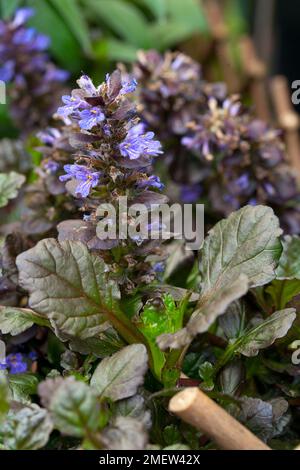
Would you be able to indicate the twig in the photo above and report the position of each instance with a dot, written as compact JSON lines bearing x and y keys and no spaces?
{"x":197,"y":409}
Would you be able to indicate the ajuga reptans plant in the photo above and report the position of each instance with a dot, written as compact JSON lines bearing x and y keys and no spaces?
{"x":215,"y":149}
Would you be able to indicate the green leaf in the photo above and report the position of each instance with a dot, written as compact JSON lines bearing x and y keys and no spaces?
{"x":105,"y":344}
{"x":9,"y":185}
{"x":206,"y":373}
{"x":243,"y":247}
{"x":124,"y":19}
{"x":114,"y":50}
{"x":63,"y":44}
{"x":169,"y":34}
{"x":120,"y":375}
{"x":203,"y":317}
{"x":74,"y":408}
{"x":283,"y":291}
{"x":70,"y":11}
{"x":289,"y":262}
{"x":27,"y":428}
{"x":4,"y":395}
{"x":188,"y":12}
{"x":154,"y":322}
{"x":16,"y":320}
{"x":157,"y":7}
{"x":265,"y":333}
{"x":125,"y":434}
{"x":134,"y":407}
{"x":69,"y":285}
{"x":8,"y":8}
{"x":22,"y":386}
{"x":246,"y":242}
{"x":233,"y":322}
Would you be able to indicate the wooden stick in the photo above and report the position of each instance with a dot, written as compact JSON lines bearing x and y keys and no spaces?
{"x":287,"y":117}
{"x":197,"y":409}
{"x":220,"y":33}
{"x":255,"y":71}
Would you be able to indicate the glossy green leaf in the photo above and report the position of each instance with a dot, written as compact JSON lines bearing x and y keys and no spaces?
{"x":22,"y":386}
{"x":119,"y":376}
{"x":74,"y":408}
{"x":16,"y":320}
{"x":69,"y":286}
{"x":239,"y":251}
{"x":265,"y":333}
{"x":27,"y":428}
{"x":10,"y":183}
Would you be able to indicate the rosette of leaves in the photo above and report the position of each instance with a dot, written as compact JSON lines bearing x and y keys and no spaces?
{"x":216,"y":150}
{"x":229,"y":325}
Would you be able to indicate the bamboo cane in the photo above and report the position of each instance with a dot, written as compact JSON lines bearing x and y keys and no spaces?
{"x":197,"y":409}
{"x":287,"y":118}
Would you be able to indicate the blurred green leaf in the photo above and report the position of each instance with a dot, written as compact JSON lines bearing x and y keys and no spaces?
{"x":283,"y":291}
{"x":10,"y":183}
{"x":188,"y":12}
{"x":22,"y":386}
{"x":8,"y":7}
{"x":63,"y":44}
{"x":74,"y":408}
{"x":167,"y":34}
{"x":27,"y":428}
{"x":4,"y":395}
{"x":157,"y":7}
{"x":115,"y":50}
{"x":124,"y":19}
{"x":73,"y":17}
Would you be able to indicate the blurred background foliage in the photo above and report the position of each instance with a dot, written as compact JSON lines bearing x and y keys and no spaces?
{"x":93,"y":33}
{"x":91,"y":36}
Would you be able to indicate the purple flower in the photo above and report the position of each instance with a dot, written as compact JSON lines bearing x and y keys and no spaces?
{"x":243,"y":181}
{"x":21,"y":16}
{"x":152,"y":181}
{"x":7,"y":71}
{"x":51,"y":166}
{"x":87,"y":179}
{"x":86,"y":84}
{"x":190,"y":193}
{"x":50,"y":136}
{"x":128,"y":86}
{"x":159,"y":267}
{"x":32,"y":356}
{"x":91,"y":117}
{"x":72,"y":104}
{"x":139,"y":143}
{"x":16,"y":364}
{"x":57,"y":75}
